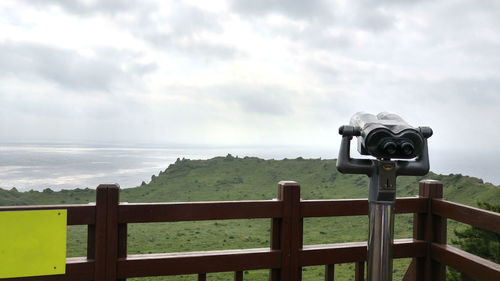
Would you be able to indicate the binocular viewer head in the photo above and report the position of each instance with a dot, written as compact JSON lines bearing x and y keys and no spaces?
{"x":386,"y":136}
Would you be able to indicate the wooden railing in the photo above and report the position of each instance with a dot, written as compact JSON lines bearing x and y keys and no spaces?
{"x":107,"y":221}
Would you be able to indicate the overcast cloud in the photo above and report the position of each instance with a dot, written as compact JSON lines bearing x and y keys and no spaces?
{"x":247,"y":72}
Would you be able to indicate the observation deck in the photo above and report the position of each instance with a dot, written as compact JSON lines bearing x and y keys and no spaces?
{"x":107,"y":220}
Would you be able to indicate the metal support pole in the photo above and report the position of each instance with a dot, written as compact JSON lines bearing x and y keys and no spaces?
{"x":382,"y":197}
{"x":380,"y":242}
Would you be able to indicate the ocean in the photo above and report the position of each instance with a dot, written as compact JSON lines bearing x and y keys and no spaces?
{"x":69,"y":166}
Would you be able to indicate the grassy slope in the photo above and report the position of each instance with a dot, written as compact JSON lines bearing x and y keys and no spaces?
{"x":229,"y":178}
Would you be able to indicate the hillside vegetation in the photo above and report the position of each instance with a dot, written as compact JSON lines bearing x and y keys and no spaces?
{"x":250,"y":178}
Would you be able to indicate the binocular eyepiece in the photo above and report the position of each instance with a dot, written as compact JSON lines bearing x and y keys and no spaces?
{"x":386,"y":136}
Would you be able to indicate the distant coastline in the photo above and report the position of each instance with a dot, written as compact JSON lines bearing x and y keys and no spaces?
{"x":58,"y":166}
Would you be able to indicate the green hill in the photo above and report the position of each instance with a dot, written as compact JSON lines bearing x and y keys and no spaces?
{"x":248,"y":178}
{"x":233,"y":178}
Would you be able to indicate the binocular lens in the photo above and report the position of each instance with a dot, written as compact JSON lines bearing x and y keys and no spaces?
{"x":389,"y":148}
{"x":407,"y":148}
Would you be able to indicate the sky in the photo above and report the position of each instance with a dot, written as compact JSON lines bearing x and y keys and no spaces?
{"x":249,"y":73}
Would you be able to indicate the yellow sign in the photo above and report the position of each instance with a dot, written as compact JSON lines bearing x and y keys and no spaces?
{"x":32,"y":243}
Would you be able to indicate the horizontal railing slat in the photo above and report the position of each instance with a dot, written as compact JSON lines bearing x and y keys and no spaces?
{"x":357,"y":207}
{"x":191,"y":211}
{"x":472,"y":265}
{"x":196,"y":262}
{"x":248,"y":259}
{"x":405,"y":205}
{"x":335,"y":207}
{"x":356,"y":251}
{"x":473,"y":216}
{"x":77,"y":269}
{"x":77,"y":214}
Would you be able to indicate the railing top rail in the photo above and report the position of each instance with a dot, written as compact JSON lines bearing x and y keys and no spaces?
{"x":78,"y":214}
{"x":357,"y":207}
{"x":46,"y":207}
{"x":195,"y":202}
{"x":190,"y":211}
{"x":472,"y":265}
{"x":466,"y":214}
{"x":252,"y":209}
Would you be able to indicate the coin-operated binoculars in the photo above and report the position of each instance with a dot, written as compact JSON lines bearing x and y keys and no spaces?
{"x":400,"y":150}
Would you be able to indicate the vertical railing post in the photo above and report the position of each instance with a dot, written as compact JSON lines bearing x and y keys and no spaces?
{"x":329,"y":272}
{"x":112,"y":231}
{"x":122,"y":243}
{"x":286,"y":233}
{"x":238,"y":276}
{"x":99,"y":250}
{"x":432,"y":229}
{"x":106,"y":232}
{"x":275,"y":273}
{"x":91,"y":244}
{"x":359,"y":271}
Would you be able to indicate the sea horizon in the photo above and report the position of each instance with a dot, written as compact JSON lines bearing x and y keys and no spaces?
{"x":66,"y":165}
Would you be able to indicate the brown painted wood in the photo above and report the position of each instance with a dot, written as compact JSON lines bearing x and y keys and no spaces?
{"x":330,"y":272}
{"x":111,"y":230}
{"x":407,"y":248}
{"x":286,"y":192}
{"x":202,"y":277}
{"x":472,"y":265}
{"x":122,"y":243}
{"x":418,"y":233}
{"x":337,"y":207}
{"x":193,"y":211}
{"x":473,"y":216}
{"x":77,"y":214}
{"x":295,"y":232}
{"x":410,"y":272}
{"x":406,"y":205}
{"x":290,"y":230}
{"x":333,"y":253}
{"x":432,"y":229}
{"x":91,"y":241}
{"x":275,"y":244}
{"x":286,"y":233}
{"x":196,"y":262}
{"x":356,"y":207}
{"x":359,"y":271}
{"x":77,"y":269}
{"x":356,"y":252}
{"x":100,"y":233}
{"x":238,"y":276}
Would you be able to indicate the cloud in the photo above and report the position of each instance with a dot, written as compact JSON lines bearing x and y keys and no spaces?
{"x":292,"y":8}
{"x":266,"y":100}
{"x":185,"y":30}
{"x":169,"y":26}
{"x":84,"y":8}
{"x":102,"y":71}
